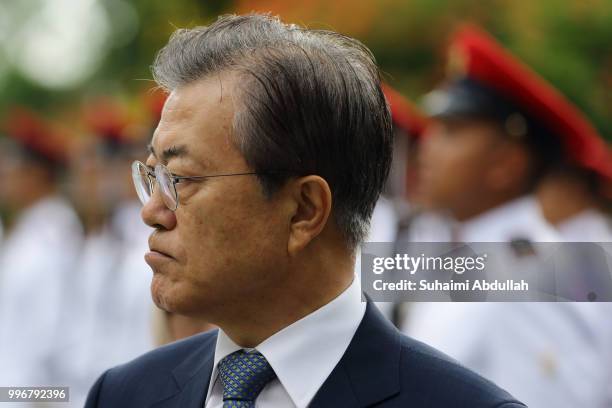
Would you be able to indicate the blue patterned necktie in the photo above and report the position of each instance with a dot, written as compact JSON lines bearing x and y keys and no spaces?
{"x":243,"y":376}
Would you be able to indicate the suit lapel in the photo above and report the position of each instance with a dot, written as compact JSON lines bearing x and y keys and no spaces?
{"x":192,"y":377}
{"x":367,"y":373}
{"x":369,"y":370}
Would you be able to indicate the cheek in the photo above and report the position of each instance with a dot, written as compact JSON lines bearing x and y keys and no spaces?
{"x":230,"y":245}
{"x":226,"y":231}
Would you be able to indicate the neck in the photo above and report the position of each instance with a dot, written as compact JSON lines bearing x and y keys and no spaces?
{"x":12,"y":213}
{"x":35,"y":195}
{"x":308,"y":287}
{"x":561,"y":200}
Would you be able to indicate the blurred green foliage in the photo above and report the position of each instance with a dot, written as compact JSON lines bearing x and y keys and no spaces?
{"x":567,"y":42}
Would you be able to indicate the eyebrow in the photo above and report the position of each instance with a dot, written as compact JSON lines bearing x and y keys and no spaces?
{"x":169,"y":153}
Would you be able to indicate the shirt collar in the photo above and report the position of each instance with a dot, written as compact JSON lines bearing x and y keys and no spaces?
{"x":314,"y":345}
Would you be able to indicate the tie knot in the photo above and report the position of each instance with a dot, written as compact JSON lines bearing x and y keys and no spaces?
{"x":243,"y":375}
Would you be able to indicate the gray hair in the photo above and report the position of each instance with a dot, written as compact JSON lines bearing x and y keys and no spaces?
{"x":310,"y":102}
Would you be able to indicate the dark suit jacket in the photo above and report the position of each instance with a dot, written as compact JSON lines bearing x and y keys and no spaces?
{"x":381,"y":368}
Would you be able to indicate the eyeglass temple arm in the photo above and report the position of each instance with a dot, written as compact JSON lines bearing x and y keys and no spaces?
{"x":195,"y":178}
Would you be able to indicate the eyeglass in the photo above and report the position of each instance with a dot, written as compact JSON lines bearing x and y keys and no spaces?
{"x":145,"y":179}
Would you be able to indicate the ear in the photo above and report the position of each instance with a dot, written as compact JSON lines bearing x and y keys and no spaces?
{"x":313,"y":201}
{"x":511,"y":168}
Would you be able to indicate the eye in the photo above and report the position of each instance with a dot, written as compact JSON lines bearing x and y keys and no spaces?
{"x":186,"y":180}
{"x":179,"y":179}
{"x":175,"y":177}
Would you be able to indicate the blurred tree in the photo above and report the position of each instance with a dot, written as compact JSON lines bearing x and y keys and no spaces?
{"x":569,"y":42}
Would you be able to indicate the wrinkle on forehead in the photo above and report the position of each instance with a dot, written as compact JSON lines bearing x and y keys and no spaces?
{"x":180,"y":107}
{"x":203,"y":108}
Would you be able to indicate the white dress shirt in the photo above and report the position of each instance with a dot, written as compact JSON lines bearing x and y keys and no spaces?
{"x":302,"y":355}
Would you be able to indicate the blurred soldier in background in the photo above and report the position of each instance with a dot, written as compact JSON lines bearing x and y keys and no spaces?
{"x":112,"y":305}
{"x":416,"y":224}
{"x":390,"y":207}
{"x":577,"y":202}
{"x":43,"y":237}
{"x":398,"y":215}
{"x":498,"y":128}
{"x":3,"y":158}
{"x":407,"y":125}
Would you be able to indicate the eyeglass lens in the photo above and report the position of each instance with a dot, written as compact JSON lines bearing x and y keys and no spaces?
{"x":144,"y":184}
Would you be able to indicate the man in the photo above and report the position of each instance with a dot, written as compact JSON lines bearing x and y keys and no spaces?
{"x":409,"y":125}
{"x":397,"y":215}
{"x":42,"y":240}
{"x":111,"y":315}
{"x":281,"y":138}
{"x":498,"y":128}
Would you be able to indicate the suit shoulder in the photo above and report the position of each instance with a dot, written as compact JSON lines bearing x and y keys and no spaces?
{"x":134,"y":383}
{"x":442,"y":381}
{"x":158,"y":363}
{"x":166,"y":356}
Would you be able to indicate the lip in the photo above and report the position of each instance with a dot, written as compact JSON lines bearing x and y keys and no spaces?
{"x":156,"y":245}
{"x":156,"y":250}
{"x":156,"y":255}
{"x":155,"y":258}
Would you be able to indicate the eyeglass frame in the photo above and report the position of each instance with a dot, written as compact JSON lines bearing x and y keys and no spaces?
{"x":151,"y":173}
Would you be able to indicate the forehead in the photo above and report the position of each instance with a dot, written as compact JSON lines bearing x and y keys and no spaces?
{"x":198,"y":116}
{"x":465,"y":124}
{"x":467,"y":130}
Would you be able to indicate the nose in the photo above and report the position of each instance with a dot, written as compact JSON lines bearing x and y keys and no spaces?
{"x":155,"y":213}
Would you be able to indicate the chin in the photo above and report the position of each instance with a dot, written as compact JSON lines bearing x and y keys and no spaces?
{"x":168,"y":296}
{"x":160,"y":293}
